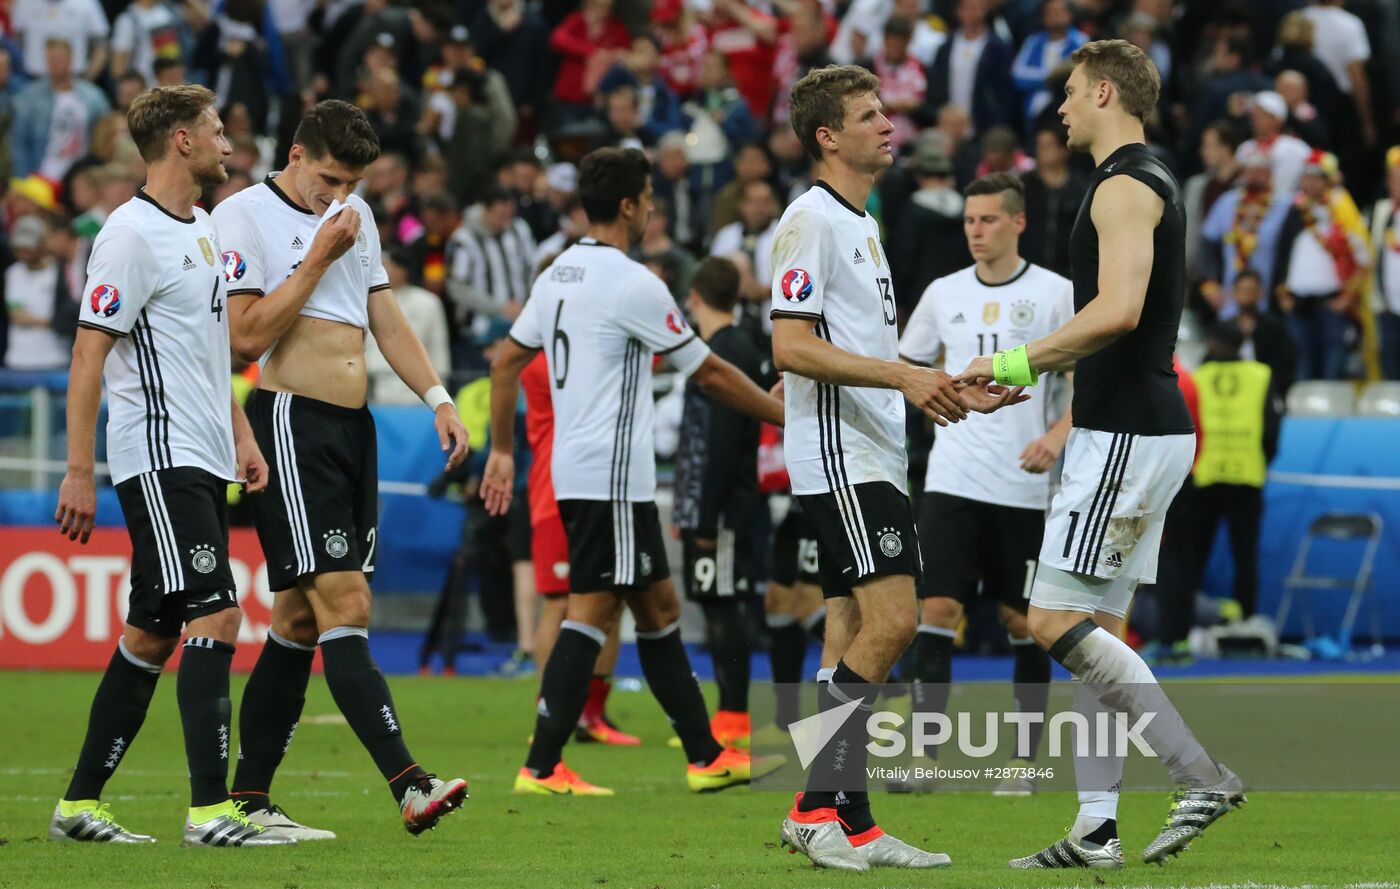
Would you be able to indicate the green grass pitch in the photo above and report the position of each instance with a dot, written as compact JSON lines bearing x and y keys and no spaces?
{"x":652,"y":834}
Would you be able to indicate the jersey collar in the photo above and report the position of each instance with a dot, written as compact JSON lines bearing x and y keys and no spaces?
{"x":141,"y":193}
{"x":840,"y":200}
{"x":1025,"y":267}
{"x":593,"y":242}
{"x":271,"y":183}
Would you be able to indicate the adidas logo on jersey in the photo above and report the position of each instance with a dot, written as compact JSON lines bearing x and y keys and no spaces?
{"x":296,"y":243}
{"x":187,"y":265}
{"x":859,"y":259}
{"x":958,"y":319}
{"x":1114,"y":560}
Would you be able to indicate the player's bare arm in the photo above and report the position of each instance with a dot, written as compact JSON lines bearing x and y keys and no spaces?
{"x":406,"y":355}
{"x":498,"y":481}
{"x":1041,"y":454}
{"x":723,"y":381}
{"x":77,"y":494}
{"x":1125,"y":213}
{"x":797,"y":349}
{"x":252,"y":468}
{"x":256,"y":322}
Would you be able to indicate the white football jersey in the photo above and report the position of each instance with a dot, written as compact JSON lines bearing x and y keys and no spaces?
{"x":960,"y":318}
{"x":828,"y":265}
{"x":265,"y":237}
{"x":599,"y":317}
{"x":154,"y":281}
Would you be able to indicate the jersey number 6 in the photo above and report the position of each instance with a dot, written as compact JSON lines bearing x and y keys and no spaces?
{"x":559,"y":350}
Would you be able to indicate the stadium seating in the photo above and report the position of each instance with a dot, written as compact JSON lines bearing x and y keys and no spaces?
{"x":1322,"y":398}
{"x":1379,"y":400}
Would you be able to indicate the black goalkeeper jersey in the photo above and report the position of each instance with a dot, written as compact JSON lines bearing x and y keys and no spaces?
{"x":1130,"y":385}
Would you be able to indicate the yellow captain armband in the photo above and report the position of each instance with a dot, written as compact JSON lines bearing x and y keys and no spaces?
{"x":1012,"y":367}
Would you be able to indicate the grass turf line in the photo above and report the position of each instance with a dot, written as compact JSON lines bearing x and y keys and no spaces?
{"x":653,"y":834}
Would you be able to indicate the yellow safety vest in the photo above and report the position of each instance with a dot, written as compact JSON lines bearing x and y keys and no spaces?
{"x":474,"y":407}
{"x":1233,"y":396}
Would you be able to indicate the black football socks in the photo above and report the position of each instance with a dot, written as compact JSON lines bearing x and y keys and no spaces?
{"x":668,"y":674}
{"x":268,"y":717}
{"x":786,"y":652}
{"x":118,"y":709}
{"x":1030,"y":686}
{"x":729,"y":651}
{"x":363,"y":697}
{"x":201,"y":687}
{"x":563,"y":693}
{"x":837,"y":778}
{"x":933,"y":671}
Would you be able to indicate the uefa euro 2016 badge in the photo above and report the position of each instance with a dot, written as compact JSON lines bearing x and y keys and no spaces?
{"x":105,"y":300}
{"x":234,"y":266}
{"x":796,"y":285}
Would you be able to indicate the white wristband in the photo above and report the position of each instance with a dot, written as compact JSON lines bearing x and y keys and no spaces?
{"x":436,"y":396}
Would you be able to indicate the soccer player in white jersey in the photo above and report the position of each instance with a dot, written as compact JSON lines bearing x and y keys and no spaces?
{"x":1132,"y":446}
{"x":302,"y":257}
{"x":600,"y":317}
{"x":153,"y":323}
{"x":982,"y":513}
{"x":834,"y":337}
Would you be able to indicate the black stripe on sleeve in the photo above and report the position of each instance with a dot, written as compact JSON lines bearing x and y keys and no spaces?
{"x":682,"y":343}
{"x":788,"y":313}
{"x":110,"y":331}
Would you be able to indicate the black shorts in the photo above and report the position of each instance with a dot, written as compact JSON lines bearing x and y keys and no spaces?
{"x":321,"y":507}
{"x":178,"y":522}
{"x":613,"y":545}
{"x":968,"y":541}
{"x":865,"y":530}
{"x":795,"y":550}
{"x":722,"y":572}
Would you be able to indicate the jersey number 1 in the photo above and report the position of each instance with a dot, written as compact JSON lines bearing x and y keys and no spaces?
{"x":559,"y":350}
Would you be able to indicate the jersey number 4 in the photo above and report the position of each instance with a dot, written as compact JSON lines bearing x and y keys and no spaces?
{"x":216,"y":305}
{"x":887,"y":298}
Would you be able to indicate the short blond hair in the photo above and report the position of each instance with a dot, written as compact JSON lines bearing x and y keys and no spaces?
{"x":157,"y":113}
{"x":1128,"y":68}
{"x":819,"y":100}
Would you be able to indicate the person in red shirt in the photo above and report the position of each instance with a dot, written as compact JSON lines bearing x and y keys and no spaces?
{"x":549,"y":550}
{"x":589,"y":42}
{"x":748,"y":40}
{"x":683,"y":44}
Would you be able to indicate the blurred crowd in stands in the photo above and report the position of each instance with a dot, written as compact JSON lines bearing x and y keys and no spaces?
{"x":1276,"y":114}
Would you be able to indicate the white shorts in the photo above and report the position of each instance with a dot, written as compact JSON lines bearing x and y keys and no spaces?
{"x":1105,"y":523}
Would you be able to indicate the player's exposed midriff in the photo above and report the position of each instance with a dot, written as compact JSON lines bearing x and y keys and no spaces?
{"x":319,"y":359}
